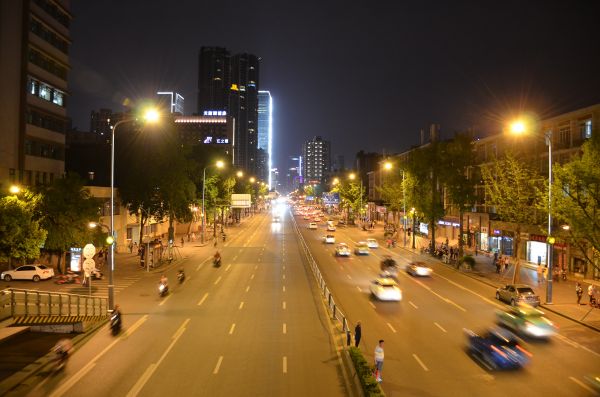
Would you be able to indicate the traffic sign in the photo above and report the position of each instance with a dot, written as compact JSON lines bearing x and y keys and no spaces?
{"x":89,"y":251}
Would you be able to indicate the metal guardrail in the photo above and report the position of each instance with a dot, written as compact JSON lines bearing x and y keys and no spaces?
{"x":23,"y":302}
{"x":336,"y":313}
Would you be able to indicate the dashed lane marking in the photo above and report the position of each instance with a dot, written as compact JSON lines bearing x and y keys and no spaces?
{"x":392,"y":328}
{"x":217,"y":280}
{"x":580,"y":383}
{"x":284,"y":328}
{"x":231,"y":329}
{"x":241,"y":305}
{"x":247,"y":288}
{"x":440,"y":327}
{"x":284,"y":305}
{"x":420,"y":362}
{"x":203,"y":299}
{"x":284,"y":364}
{"x":219,"y":361}
{"x":413,"y":305}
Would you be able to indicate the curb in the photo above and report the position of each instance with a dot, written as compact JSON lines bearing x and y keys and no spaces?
{"x":491,"y":284}
{"x":25,"y":375}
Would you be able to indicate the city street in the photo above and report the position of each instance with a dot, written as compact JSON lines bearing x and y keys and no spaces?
{"x":425,"y":344}
{"x":254,"y":326}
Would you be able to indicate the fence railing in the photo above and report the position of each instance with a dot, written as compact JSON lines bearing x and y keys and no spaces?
{"x":22,"y":302}
{"x":333,"y":308}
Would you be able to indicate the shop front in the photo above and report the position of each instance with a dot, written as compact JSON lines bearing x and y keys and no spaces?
{"x":501,"y":241}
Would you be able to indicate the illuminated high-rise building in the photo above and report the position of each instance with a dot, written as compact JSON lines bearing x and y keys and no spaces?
{"x":265,"y":137}
{"x":316,"y":160}
{"x":173,"y":101}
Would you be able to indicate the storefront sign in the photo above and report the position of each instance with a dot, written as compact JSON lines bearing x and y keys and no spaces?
{"x":424,"y":228}
{"x":497,"y":232}
{"x":75,"y":264}
{"x":537,"y":237}
{"x":446,"y":223}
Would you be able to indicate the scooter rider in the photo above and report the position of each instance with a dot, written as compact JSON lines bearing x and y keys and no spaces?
{"x":180,"y":276}
{"x":217,"y":259}
{"x":115,"y":320}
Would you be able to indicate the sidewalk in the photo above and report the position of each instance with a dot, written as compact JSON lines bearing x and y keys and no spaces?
{"x":564,"y":299}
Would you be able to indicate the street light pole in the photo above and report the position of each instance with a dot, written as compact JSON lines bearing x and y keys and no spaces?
{"x":203,"y":213}
{"x":404,"y":208}
{"x":548,"y":136}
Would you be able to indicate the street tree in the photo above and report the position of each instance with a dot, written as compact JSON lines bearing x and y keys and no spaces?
{"x":425,"y":165}
{"x":576,"y":200}
{"x":350,"y":195}
{"x":21,"y":234}
{"x":458,"y":159}
{"x":393,"y":194}
{"x":512,"y":189}
{"x":66,"y":208}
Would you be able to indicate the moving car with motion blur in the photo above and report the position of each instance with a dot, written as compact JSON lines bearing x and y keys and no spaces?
{"x":28,"y":272}
{"x":330,"y":226}
{"x":517,"y":293}
{"x":418,"y":269}
{"x":312,"y":226}
{"x":342,"y":249}
{"x":389,"y":267}
{"x":361,"y":248}
{"x":497,"y":348}
{"x":372,"y":243}
{"x":526,"y":320}
{"x":329,"y":239}
{"x":386,"y":289}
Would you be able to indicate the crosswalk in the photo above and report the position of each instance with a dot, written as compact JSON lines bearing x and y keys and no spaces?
{"x":100,"y":287}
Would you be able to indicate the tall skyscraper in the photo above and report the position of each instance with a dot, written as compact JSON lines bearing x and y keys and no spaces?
{"x":230,"y":84}
{"x":34,"y":66}
{"x":265,"y":136}
{"x":173,"y":101}
{"x":316,"y":160}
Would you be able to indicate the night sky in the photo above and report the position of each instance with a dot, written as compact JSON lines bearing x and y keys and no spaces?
{"x":365,"y":75}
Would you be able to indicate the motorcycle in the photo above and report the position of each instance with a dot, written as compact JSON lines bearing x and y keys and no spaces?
{"x":69,"y":278}
{"x":224,"y":237}
{"x":217,"y":262}
{"x":115,"y":323}
{"x":61,"y":353}
{"x":163,"y":289}
{"x":563,"y":274}
{"x":181,"y":276}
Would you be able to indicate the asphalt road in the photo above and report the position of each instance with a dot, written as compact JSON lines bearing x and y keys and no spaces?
{"x":425,"y":344}
{"x":253,"y":327}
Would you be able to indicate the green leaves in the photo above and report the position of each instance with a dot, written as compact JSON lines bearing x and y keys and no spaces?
{"x":21,"y":234}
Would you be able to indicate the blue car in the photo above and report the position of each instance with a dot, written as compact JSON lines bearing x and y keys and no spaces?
{"x":497,"y":348}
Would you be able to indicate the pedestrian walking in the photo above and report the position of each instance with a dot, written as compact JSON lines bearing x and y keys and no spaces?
{"x":130,"y":246}
{"x":379,"y":360}
{"x":357,"y":334}
{"x":540,"y":274}
{"x":136,"y":248}
{"x":591,"y":295}
{"x":182,"y":242}
{"x":579,"y":292}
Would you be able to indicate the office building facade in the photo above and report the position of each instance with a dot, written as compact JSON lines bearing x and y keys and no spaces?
{"x":34,"y":67}
{"x":316,"y":160}
{"x":228,"y":85}
{"x":172,"y":101}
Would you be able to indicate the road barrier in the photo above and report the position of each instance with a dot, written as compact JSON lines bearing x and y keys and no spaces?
{"x":336,"y":313}
{"x":24,"y":303}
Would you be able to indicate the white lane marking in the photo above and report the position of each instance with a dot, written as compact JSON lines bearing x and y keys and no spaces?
{"x":440,"y":327}
{"x":216,"y":370}
{"x":247,"y":288}
{"x":284,"y":305}
{"x":371,"y":303}
{"x":203,"y":299}
{"x":234,"y":258}
{"x":575,"y":344}
{"x":413,"y":305}
{"x":89,"y":366}
{"x":152,"y":367}
{"x":217,"y":280}
{"x":255,"y":267}
{"x":228,"y":267}
{"x":202,"y":263}
{"x":283,"y":267}
{"x":284,"y":288}
{"x":241,"y":305}
{"x":580,"y":383}
{"x":440,"y":296}
{"x":358,"y":288}
{"x":231,"y":329}
{"x":284,"y":276}
{"x":164,"y":300}
{"x":284,"y":364}
{"x":392,"y":328}
{"x":284,"y":328}
{"x":252,"y":276}
{"x":420,"y":362}
{"x":491,"y":302}
{"x":347,"y":275}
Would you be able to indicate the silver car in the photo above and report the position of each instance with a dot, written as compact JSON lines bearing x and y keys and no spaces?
{"x":518,"y":293}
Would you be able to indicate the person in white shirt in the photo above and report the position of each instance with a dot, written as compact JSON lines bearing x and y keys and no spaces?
{"x":379,"y":360}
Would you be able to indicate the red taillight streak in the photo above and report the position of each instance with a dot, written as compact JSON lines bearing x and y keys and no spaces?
{"x":499,"y":351}
{"x":524,"y":351}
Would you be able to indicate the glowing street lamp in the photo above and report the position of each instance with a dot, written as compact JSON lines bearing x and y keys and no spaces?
{"x":518,"y":127}
{"x":252,"y":179}
{"x":150,"y":116}
{"x":218,"y":164}
{"x":14,"y":189}
{"x":240,"y":174}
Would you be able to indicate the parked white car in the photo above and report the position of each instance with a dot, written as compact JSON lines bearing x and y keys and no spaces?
{"x":28,"y":272}
{"x":386,"y":289}
{"x":312,"y":225}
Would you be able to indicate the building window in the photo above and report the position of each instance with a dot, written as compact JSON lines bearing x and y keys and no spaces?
{"x":46,"y":91}
{"x":47,"y":35}
{"x":48,"y":64}
{"x":55,"y":12}
{"x":585,"y":129}
{"x":564,"y":135}
{"x":46,"y":121}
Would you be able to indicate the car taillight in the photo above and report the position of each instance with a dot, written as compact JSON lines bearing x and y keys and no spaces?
{"x":524,"y":351}
{"x":494,"y":348}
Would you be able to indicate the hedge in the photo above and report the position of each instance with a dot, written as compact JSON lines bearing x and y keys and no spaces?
{"x":370,"y":386}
